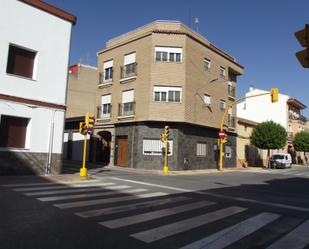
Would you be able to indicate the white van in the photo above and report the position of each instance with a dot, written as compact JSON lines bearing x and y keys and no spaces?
{"x":280,"y":160}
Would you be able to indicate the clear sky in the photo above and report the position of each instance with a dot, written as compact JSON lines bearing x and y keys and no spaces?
{"x":258,"y":33}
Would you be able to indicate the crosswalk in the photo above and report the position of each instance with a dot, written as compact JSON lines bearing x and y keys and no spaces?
{"x":299,"y":172}
{"x":156,"y":216}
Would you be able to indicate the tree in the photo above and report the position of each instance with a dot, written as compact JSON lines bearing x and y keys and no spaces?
{"x":301,"y":141}
{"x":268,"y":135}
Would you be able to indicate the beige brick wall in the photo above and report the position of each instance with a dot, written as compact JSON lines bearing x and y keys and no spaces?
{"x":188,"y":74}
{"x":81,"y":92}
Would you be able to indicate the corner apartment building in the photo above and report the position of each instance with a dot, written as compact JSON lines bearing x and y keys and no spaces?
{"x":286,"y":112}
{"x":34,"y":52}
{"x":161,"y":74}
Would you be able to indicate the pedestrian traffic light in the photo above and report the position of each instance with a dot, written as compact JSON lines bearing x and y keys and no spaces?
{"x":166,"y":131}
{"x":89,"y":119}
{"x":274,"y":92}
{"x":303,"y":38}
{"x":82,"y":128}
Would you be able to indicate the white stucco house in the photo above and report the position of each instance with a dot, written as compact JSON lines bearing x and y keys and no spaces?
{"x":34,"y":52}
{"x":286,"y":112}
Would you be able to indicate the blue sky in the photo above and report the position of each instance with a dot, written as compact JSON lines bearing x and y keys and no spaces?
{"x":258,"y":33}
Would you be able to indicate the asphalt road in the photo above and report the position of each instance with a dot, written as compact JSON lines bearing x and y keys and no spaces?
{"x":121,"y":209}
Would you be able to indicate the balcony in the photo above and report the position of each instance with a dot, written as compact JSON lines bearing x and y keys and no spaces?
{"x":103,"y":80}
{"x":231,"y":122}
{"x":126,"y":109}
{"x":298,"y":117}
{"x":128,"y":71}
{"x":231,"y":92}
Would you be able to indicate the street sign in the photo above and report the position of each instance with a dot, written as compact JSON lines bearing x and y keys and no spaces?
{"x":222,"y":134}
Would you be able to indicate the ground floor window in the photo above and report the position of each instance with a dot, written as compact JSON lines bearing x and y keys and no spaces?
{"x":13,"y":131}
{"x":228,"y":151}
{"x":154,"y":147}
{"x":201,"y":149}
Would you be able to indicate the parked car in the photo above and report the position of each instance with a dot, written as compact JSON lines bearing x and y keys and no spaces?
{"x":280,"y":160}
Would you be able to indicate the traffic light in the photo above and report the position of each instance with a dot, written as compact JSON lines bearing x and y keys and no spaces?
{"x":303,"y":38}
{"x":82,"y":128}
{"x":162,"y":137}
{"x":274,"y":93}
{"x":166,"y":131}
{"x":89,"y":119}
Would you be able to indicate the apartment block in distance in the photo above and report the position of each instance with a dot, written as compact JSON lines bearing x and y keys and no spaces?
{"x":81,"y":98}
{"x":162,"y":74}
{"x":34,"y":52}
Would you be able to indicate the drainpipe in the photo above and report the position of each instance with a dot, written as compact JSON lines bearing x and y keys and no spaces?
{"x":51,"y":141}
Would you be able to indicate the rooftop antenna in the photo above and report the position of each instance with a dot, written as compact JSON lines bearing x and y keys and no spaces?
{"x":196,"y":22}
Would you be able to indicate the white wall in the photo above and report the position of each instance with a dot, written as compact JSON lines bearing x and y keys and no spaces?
{"x":260,"y":109}
{"x":24,"y":25}
{"x":38,"y":131}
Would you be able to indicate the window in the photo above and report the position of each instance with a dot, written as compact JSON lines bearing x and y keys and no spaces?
{"x":126,"y":108}
{"x":222,"y":104}
{"x":207,"y":99}
{"x":201,"y":149}
{"x":155,"y":147}
{"x":21,"y":62}
{"x":129,"y":68}
{"x":206,"y":64}
{"x":13,"y":131}
{"x":228,"y":151}
{"x":222,"y":71}
{"x":167,"y":94}
{"x":108,"y":71}
{"x":170,"y":54}
{"x":106,"y":106}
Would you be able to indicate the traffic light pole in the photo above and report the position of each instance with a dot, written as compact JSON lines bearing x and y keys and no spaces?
{"x":165,"y":168}
{"x":221,"y":140}
{"x":83,"y":170}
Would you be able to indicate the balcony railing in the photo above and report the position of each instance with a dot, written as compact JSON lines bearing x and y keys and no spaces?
{"x":296,"y":116}
{"x":231,"y":122}
{"x":126,"y":109}
{"x":106,"y":113}
{"x":231,"y":91}
{"x":290,"y":136}
{"x":128,"y":71}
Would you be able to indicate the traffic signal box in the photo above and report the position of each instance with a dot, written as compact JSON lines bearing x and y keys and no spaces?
{"x":274,"y":93}
{"x":166,"y":131}
{"x":303,"y":38}
{"x":89,"y":119}
{"x":82,"y":128}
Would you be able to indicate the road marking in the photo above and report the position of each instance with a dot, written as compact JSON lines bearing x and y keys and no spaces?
{"x":97,"y":187}
{"x":234,"y":233}
{"x":126,"y":221}
{"x":69,"y":197}
{"x":158,"y":233}
{"x":130,"y":207}
{"x":219,"y":195}
{"x":78,"y":204}
{"x":296,"y":239}
{"x":43,"y":183}
{"x":59,"y":186}
{"x":152,"y":184}
{"x":257,"y":202}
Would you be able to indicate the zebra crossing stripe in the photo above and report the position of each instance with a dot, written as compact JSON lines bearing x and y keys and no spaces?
{"x":233,"y":233}
{"x":162,"y":232}
{"x":97,"y":187}
{"x":78,"y":204}
{"x":58,"y":186}
{"x":126,"y":221}
{"x":296,"y":239}
{"x":130,"y":207}
{"x":43,"y":183}
{"x":69,"y":197}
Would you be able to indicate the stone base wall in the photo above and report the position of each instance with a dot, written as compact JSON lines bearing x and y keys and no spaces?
{"x":185,"y":138}
{"x":27,"y":163}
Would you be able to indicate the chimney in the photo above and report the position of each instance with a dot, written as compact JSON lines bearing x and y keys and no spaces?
{"x":251,"y":88}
